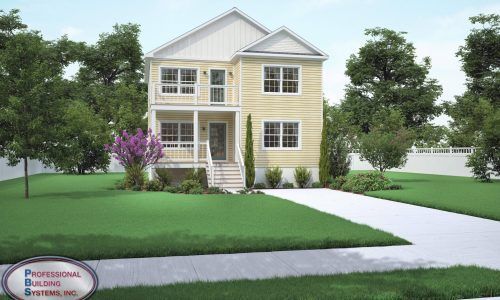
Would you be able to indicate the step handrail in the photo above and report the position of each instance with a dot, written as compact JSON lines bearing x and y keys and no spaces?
{"x":241,"y":164}
{"x":210,"y":164}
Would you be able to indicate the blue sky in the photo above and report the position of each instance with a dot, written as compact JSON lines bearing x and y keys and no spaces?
{"x":436,"y":28}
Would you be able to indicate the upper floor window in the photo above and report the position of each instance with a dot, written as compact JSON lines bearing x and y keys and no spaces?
{"x":178,"y":80}
{"x":281,"y":79}
{"x":281,"y":135}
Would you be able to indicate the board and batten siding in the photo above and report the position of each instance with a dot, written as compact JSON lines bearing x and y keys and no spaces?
{"x":307,"y":107}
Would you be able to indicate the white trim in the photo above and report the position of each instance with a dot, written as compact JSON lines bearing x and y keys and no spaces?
{"x":234,"y":9}
{"x":299,"y":141}
{"x":299,"y":87}
{"x":223,"y":86}
{"x":278,"y":55}
{"x":227,"y":142}
{"x":287,"y":30}
{"x":198,"y":75}
{"x":167,"y":107}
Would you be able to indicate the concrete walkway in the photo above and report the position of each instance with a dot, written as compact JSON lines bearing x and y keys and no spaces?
{"x":440,"y":239}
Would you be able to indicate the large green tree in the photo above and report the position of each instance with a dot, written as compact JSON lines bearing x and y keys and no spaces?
{"x":475,"y":114}
{"x":384,"y":74}
{"x":31,"y":92}
{"x":110,"y":78}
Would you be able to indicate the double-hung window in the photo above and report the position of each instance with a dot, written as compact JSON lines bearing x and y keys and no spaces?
{"x":177,"y":134}
{"x":281,"y":79}
{"x":178,"y":80}
{"x":281,"y":135}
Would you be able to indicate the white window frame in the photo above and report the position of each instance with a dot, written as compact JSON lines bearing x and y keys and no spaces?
{"x":299,"y":87}
{"x":281,"y":148}
{"x":179,"y":80}
{"x":178,"y":142}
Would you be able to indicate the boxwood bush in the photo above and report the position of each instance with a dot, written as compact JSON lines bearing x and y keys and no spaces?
{"x":364,"y":182}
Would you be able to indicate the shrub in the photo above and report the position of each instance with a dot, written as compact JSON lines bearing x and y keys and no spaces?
{"x":172,"y":189}
{"x":364,"y":182}
{"x":246,"y":191}
{"x":273,"y":176}
{"x":134,"y":176}
{"x":302,"y":176}
{"x":196,"y":190}
{"x":249,"y":156}
{"x":120,"y":185}
{"x":164,"y":176}
{"x":316,"y":185}
{"x":259,"y":185}
{"x":190,"y":186}
{"x":338,"y":182}
{"x":215,"y":190}
{"x":394,"y":187}
{"x":136,"y":188}
{"x":324,"y":159}
{"x":288,"y":185}
{"x":153,"y":186}
{"x":482,"y":168}
{"x":340,"y":162}
{"x":196,"y":175}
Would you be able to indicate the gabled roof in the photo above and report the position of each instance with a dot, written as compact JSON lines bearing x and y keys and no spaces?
{"x":280,"y":42}
{"x":232,"y":10}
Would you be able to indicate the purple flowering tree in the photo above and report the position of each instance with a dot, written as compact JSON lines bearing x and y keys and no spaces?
{"x":136,"y":152}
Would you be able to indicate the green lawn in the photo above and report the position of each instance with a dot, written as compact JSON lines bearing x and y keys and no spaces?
{"x":452,"y":283}
{"x":452,"y":193}
{"x":84,"y":218}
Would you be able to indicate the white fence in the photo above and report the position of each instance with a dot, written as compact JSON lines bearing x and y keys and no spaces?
{"x":36,"y":167}
{"x":440,"y":161}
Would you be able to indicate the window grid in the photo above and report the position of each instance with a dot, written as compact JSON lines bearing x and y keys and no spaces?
{"x":177,"y":134}
{"x":178,"y":76}
{"x":281,"y":79}
{"x":281,"y":135}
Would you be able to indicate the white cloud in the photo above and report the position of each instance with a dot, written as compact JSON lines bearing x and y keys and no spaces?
{"x":71,"y":32}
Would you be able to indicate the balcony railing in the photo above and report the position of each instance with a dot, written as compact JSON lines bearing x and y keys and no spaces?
{"x":196,"y":94}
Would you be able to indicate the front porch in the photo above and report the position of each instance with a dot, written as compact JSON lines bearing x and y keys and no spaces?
{"x":201,"y":138}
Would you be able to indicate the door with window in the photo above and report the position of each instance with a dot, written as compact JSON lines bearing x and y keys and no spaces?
{"x":217,"y":86}
{"x":218,"y":140}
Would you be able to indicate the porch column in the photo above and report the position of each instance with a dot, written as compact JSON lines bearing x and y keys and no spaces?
{"x":152,"y":125}
{"x":196,"y":135}
{"x":237,"y":133}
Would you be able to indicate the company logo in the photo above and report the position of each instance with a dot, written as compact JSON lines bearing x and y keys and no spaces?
{"x":49,"y":277}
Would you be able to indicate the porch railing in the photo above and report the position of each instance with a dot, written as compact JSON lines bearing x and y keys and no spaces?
{"x":196,"y":94}
{"x":241,"y":163}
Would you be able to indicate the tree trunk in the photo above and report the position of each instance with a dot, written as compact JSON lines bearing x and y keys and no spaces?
{"x":26,"y":185}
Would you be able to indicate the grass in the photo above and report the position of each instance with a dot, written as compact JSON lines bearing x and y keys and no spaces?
{"x":451,"y":283}
{"x":84,"y":218}
{"x":451,"y":193}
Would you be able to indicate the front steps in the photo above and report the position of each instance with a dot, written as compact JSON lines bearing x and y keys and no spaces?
{"x":226,"y":176}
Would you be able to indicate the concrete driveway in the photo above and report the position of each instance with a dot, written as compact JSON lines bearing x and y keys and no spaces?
{"x":437,"y":236}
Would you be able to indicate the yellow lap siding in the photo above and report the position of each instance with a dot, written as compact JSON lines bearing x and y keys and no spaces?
{"x":305,"y":108}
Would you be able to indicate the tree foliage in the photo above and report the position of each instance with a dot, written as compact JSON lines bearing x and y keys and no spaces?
{"x":475,"y":114}
{"x":84,"y":135}
{"x":249,"y":156}
{"x":385,"y":146}
{"x":31,"y":92}
{"x":384,"y":74}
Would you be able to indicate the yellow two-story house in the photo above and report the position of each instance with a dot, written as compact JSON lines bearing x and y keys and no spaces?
{"x":205,"y":83}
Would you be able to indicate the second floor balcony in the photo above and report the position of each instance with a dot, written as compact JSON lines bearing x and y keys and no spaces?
{"x":195,"y":94}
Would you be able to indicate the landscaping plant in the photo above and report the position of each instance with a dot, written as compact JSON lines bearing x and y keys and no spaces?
{"x":288,"y":185}
{"x":196,"y":175}
{"x":164,"y":176}
{"x":136,"y":153}
{"x":273,"y":176}
{"x":249,"y":157}
{"x":364,"y":182}
{"x":302,"y":176}
{"x":190,"y":186}
{"x":316,"y":185}
{"x":259,"y":185}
